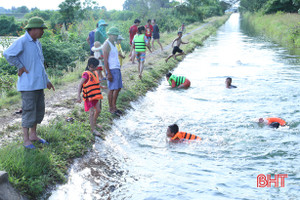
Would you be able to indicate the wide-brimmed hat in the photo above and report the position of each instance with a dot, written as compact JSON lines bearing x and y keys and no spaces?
{"x":36,"y":22}
{"x":102,"y":23}
{"x":97,"y":46}
{"x":113,"y":31}
{"x":120,"y":38}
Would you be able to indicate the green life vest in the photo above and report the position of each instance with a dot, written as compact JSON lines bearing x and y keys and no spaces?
{"x":178,"y":80}
{"x":139,"y":43}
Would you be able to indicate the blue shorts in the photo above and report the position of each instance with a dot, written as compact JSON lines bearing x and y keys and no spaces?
{"x":116,"y":83}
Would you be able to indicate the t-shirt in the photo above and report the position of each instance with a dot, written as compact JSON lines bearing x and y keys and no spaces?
{"x":92,"y":38}
{"x":149,"y":30}
{"x":155,"y":32}
{"x":132,"y":31}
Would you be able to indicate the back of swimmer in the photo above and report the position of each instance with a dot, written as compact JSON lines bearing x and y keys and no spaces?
{"x":174,"y":134}
{"x":178,"y":81}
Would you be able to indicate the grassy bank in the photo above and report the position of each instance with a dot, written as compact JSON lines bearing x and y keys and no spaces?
{"x":32,"y":171}
{"x":282,"y":28}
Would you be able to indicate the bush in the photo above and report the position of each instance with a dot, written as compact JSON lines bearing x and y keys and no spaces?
{"x":8,"y":26}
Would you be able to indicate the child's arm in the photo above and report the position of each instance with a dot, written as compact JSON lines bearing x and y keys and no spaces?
{"x":103,"y":87}
{"x":173,"y":84}
{"x":147,"y":43}
{"x":79,"y":100}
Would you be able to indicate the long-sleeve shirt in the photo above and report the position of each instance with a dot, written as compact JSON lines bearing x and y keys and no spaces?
{"x":25,"y":52}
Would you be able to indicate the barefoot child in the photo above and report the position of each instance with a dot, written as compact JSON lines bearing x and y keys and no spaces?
{"x":140,"y":42}
{"x":176,"y":48}
{"x":91,"y":93}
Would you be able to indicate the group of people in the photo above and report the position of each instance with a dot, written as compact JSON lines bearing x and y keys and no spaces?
{"x":27,"y":55}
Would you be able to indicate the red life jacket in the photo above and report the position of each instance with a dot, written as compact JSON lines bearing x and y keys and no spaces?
{"x":185,"y":136}
{"x":91,"y":89}
{"x":276,"y":119}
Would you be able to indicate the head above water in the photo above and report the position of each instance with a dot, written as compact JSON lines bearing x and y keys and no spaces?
{"x":228,"y":81}
{"x":172,"y":130}
{"x":168,"y":75}
{"x":92,"y":64}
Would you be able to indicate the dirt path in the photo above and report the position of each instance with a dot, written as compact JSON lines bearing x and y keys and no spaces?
{"x":62,"y":101}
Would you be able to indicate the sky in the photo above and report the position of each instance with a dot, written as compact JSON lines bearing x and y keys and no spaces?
{"x":53,"y":4}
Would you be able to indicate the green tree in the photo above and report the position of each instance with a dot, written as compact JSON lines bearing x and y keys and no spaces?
{"x":22,"y":9}
{"x":70,"y":10}
{"x":8,"y":25}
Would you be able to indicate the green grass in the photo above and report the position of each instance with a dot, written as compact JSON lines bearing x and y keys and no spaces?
{"x":282,"y":28}
{"x":33,"y":171}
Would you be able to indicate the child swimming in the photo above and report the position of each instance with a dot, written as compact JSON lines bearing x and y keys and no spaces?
{"x":174,"y":134}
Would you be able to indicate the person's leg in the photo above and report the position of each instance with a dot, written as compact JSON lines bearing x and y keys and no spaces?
{"x":91,"y":118}
{"x":160,"y":44}
{"x":180,"y":54}
{"x":26,"y":136}
{"x":114,"y":100}
{"x":110,"y":100}
{"x":169,"y":57}
{"x":153,"y":44}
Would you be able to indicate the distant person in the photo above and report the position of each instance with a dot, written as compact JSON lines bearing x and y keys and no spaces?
{"x":92,"y":95}
{"x":27,"y":55}
{"x":120,"y":51}
{"x":273,"y":122}
{"x":91,"y":39}
{"x":182,"y":28}
{"x":113,"y":72}
{"x":174,"y":134}
{"x":155,"y":35}
{"x":132,"y":31}
{"x":100,"y":34}
{"x":140,"y":42}
{"x":176,"y":49}
{"x":149,"y":30}
{"x":178,"y":81}
{"x":98,"y":54}
{"x":228,"y":82}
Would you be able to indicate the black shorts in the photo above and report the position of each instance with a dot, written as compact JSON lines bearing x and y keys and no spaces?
{"x":176,"y":49}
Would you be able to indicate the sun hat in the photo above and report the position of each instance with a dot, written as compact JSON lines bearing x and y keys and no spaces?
{"x":101,"y":22}
{"x":113,"y":31}
{"x":36,"y":22}
{"x":97,"y":46}
{"x":120,"y":38}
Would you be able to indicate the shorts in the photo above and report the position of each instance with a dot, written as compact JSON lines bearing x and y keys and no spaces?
{"x":176,"y":49}
{"x":33,"y":107}
{"x":140,"y":56}
{"x":116,"y":83}
{"x":155,"y":36}
{"x":186,"y":83}
{"x":148,"y":37}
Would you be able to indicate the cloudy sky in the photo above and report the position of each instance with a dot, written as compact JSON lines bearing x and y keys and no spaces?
{"x":53,"y":4}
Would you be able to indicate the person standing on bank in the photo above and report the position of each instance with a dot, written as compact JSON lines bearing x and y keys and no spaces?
{"x":100,"y":34}
{"x":26,"y":54}
{"x":113,"y":72}
{"x":91,"y":38}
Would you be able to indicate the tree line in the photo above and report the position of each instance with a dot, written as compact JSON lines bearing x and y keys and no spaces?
{"x":270,"y":6}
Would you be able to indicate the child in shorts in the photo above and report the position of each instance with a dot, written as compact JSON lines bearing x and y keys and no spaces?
{"x":140,"y":42}
{"x":177,"y":49}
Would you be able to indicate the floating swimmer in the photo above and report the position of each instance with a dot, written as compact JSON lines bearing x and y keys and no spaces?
{"x":273,"y":122}
{"x":178,"y":81}
{"x":228,"y":82}
{"x":174,"y":134}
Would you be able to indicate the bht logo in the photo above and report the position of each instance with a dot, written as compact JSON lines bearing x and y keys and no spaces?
{"x":266,"y":181}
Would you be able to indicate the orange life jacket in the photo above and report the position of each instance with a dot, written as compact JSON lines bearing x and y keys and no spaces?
{"x":185,"y":136}
{"x":276,"y":119}
{"x":91,"y":89}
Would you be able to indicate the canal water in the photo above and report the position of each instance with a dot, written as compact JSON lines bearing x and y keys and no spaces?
{"x":136,"y":162}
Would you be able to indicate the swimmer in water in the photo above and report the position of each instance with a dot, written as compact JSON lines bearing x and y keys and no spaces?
{"x":228,"y":82}
{"x":174,"y":134}
{"x":273,"y":122}
{"x":178,"y":81}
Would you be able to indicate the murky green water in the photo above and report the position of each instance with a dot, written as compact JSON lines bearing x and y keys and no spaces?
{"x":136,"y":162}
